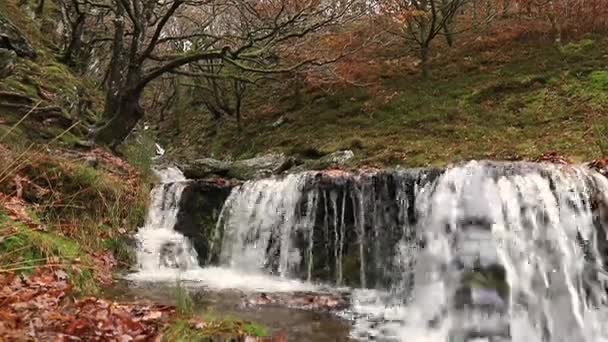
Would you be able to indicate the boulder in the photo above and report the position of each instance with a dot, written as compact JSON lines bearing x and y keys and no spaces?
{"x":202,"y":168}
{"x":335,"y":159}
{"x":12,"y":39}
{"x":200,"y":207}
{"x":338,"y":158}
{"x":7,"y":62}
{"x":261,"y":166}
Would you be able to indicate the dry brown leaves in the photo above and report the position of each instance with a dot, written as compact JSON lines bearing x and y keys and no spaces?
{"x":15,"y":208}
{"x":40,"y":308}
{"x":104,"y":266}
{"x":113,"y":164}
{"x":601,"y":165}
{"x":304,"y":301}
{"x":553,"y":157}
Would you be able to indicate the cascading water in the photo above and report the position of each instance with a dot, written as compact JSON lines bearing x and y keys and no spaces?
{"x":493,"y":251}
{"x":161,"y":247}
{"x":483,"y":251}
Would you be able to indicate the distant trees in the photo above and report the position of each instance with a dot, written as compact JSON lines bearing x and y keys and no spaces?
{"x":421,"y":21}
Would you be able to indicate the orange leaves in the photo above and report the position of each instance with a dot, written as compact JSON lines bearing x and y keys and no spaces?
{"x":38,"y":308}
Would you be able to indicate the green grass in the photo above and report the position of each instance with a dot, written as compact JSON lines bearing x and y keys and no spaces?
{"x":533,"y":99}
{"x":213,"y":325}
{"x":23,"y":248}
{"x":183,"y":301}
{"x":181,"y":330}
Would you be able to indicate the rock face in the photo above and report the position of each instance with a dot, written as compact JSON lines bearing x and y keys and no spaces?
{"x":201,"y":168}
{"x":7,"y":62}
{"x":12,"y":39}
{"x":200,"y":207}
{"x":265,"y":165}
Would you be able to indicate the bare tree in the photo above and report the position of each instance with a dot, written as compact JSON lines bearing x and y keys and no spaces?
{"x":152,"y":38}
{"x":421,"y":21}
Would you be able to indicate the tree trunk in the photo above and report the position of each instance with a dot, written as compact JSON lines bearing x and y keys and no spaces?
{"x":116,"y":67}
{"x":447,"y":24}
{"x":73,"y":50}
{"x":555,"y":25}
{"x":128,"y":114}
{"x":447,"y":32}
{"x":39,"y":9}
{"x":424,"y":61}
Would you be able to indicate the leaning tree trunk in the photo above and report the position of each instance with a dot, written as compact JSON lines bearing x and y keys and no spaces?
{"x":72,"y":53}
{"x":127,"y":115}
{"x":424,"y":61}
{"x":39,"y":9}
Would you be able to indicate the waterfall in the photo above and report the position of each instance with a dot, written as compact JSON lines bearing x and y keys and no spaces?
{"x":483,"y":251}
{"x":160,"y":247}
{"x":486,"y":250}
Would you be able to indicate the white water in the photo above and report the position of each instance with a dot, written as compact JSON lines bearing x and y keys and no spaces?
{"x":260,"y":218}
{"x":158,"y":231}
{"x":533,"y":235}
{"x":533,"y":220}
{"x":158,"y":234}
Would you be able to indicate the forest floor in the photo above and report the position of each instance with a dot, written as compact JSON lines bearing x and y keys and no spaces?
{"x":508,"y":99}
{"x":68,"y":211}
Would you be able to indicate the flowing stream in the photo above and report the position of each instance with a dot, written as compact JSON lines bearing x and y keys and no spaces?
{"x":483,"y":251}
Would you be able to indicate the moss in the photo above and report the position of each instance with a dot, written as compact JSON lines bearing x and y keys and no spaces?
{"x":487,"y":279}
{"x":214,"y":330}
{"x":24,"y":248}
{"x":575,"y":49}
{"x":599,"y":80}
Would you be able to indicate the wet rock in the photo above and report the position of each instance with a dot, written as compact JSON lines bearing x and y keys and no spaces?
{"x":306,"y":301}
{"x":338,"y":158}
{"x":200,"y":207}
{"x":335,"y":159}
{"x":172,"y":255}
{"x":7,"y":62}
{"x":201,"y":168}
{"x":12,"y":39}
{"x":260,"y":166}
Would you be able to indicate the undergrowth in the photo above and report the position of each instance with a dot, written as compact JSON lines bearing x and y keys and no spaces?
{"x":64,"y":207}
{"x":516,"y":100}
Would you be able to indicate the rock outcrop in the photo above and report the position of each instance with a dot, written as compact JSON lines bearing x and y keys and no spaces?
{"x":12,"y":39}
{"x":260,"y":166}
{"x":7,"y":62}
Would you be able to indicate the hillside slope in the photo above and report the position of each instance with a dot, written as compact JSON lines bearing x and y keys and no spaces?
{"x":486,"y":99}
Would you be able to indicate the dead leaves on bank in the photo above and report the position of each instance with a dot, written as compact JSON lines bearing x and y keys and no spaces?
{"x":39,"y":307}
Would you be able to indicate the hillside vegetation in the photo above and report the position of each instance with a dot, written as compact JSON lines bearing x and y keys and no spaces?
{"x":510,"y":99}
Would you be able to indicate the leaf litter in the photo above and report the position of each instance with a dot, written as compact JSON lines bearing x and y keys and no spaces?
{"x":40,"y":307}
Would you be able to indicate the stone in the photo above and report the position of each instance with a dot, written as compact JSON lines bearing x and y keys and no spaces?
{"x":7,"y":62}
{"x":200,"y":207}
{"x":280,"y":121}
{"x":338,"y":158}
{"x":261,"y":166}
{"x":201,"y":168}
{"x":12,"y":39}
{"x":335,"y":159}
